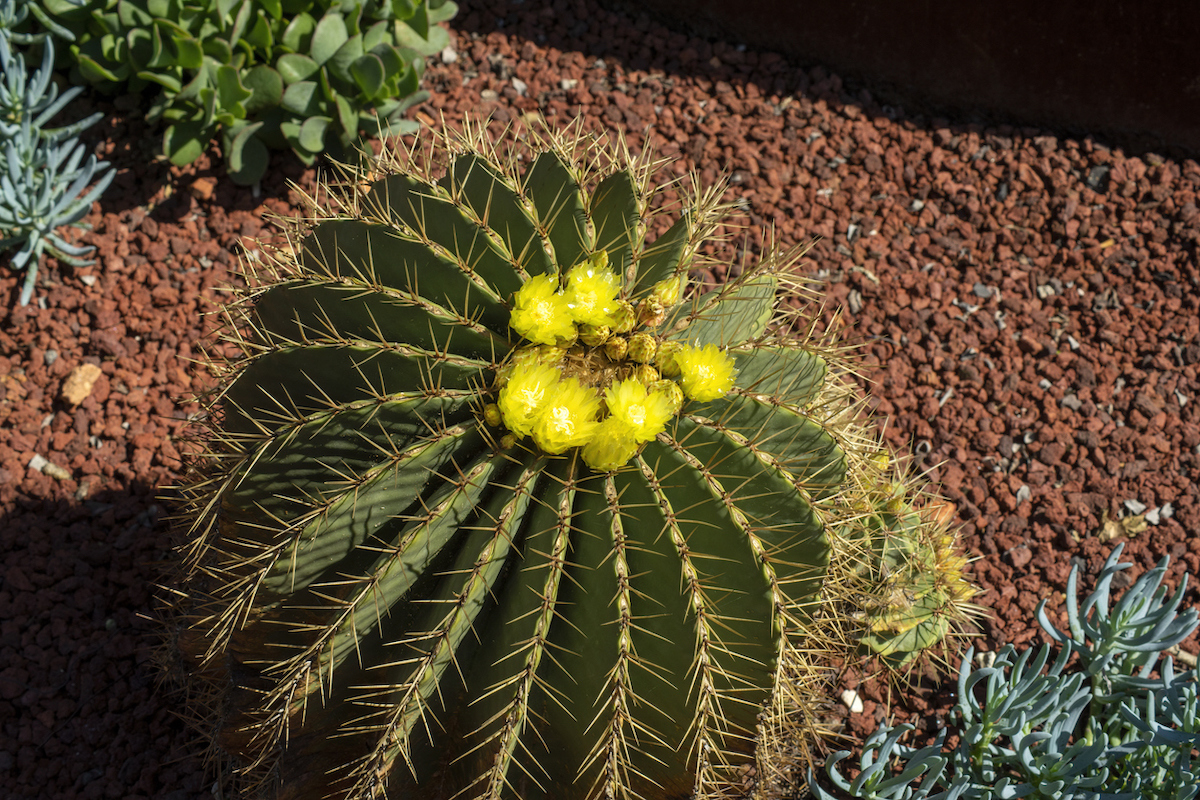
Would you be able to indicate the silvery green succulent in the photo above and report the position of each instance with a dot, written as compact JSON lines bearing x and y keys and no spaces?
{"x":1108,"y":719}
{"x":45,"y":176}
{"x":27,"y":21}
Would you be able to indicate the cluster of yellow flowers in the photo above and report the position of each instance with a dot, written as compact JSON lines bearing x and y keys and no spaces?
{"x":547,"y":314}
{"x":580,"y":322}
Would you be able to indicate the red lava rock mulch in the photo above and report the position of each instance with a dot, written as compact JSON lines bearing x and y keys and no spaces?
{"x":1027,"y":303}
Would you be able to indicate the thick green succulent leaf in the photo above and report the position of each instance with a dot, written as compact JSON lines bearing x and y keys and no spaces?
{"x":266,"y":89}
{"x":247,"y":156}
{"x":377,"y":34}
{"x":561,"y":212}
{"x":436,"y":220}
{"x":792,"y":375}
{"x":295,"y":67}
{"x":163,"y":79}
{"x":498,"y":206}
{"x":369,"y":74}
{"x":230,"y":91}
{"x":260,"y":36}
{"x":797,"y":444}
{"x":373,"y":255}
{"x":302,"y":99}
{"x":141,"y":44}
{"x":339,"y":63}
{"x":133,"y":16}
{"x":329,"y":35}
{"x":312,"y":133}
{"x":218,"y":50}
{"x":95,"y":72}
{"x":283,"y":388}
{"x":297,"y":34}
{"x":664,"y":257}
{"x":616,"y":216}
{"x":442,"y":11}
{"x":183,"y":142}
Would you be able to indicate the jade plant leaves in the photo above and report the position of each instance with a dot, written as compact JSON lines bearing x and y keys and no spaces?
{"x":222,"y":66}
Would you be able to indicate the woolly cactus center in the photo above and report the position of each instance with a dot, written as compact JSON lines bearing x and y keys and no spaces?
{"x":593,"y":367}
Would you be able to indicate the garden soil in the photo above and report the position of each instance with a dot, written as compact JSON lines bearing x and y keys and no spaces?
{"x":1026,"y":305}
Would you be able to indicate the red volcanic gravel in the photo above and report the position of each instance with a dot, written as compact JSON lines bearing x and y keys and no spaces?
{"x":1027,"y":304}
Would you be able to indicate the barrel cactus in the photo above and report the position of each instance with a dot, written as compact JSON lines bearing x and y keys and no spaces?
{"x":497,"y":504}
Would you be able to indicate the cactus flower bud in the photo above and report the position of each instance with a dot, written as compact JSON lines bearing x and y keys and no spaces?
{"x":668,"y":291}
{"x":642,"y":347}
{"x":672,"y":392}
{"x":651,"y":313}
{"x":491,"y":415}
{"x":624,"y":318}
{"x":616,"y":348}
{"x":665,"y":359}
{"x":594,"y":335}
{"x":646,"y":374}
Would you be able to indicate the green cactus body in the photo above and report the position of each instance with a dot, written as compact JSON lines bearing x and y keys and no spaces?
{"x":395,"y":594}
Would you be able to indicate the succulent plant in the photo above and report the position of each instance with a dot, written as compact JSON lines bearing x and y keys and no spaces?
{"x":45,"y":178}
{"x":309,"y":75}
{"x":494,"y":505}
{"x":26,"y":21}
{"x":1107,"y":719}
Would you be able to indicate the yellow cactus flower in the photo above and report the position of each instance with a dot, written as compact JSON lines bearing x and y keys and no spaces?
{"x":592,"y":294}
{"x":547,"y":355}
{"x":707,"y":373}
{"x":568,"y":418}
{"x":643,"y":412}
{"x":540,"y":313}
{"x":611,"y":447}
{"x":527,"y":392}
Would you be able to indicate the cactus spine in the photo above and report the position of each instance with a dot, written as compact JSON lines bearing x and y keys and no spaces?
{"x":457,"y":534}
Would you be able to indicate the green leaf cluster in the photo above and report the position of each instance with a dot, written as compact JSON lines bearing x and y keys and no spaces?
{"x":1108,"y":719}
{"x":312,"y":76}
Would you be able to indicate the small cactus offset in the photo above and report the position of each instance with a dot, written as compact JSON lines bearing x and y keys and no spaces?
{"x":498,"y":506}
{"x":920,"y":594}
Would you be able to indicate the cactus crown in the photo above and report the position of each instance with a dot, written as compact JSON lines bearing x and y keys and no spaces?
{"x":496,"y":506}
